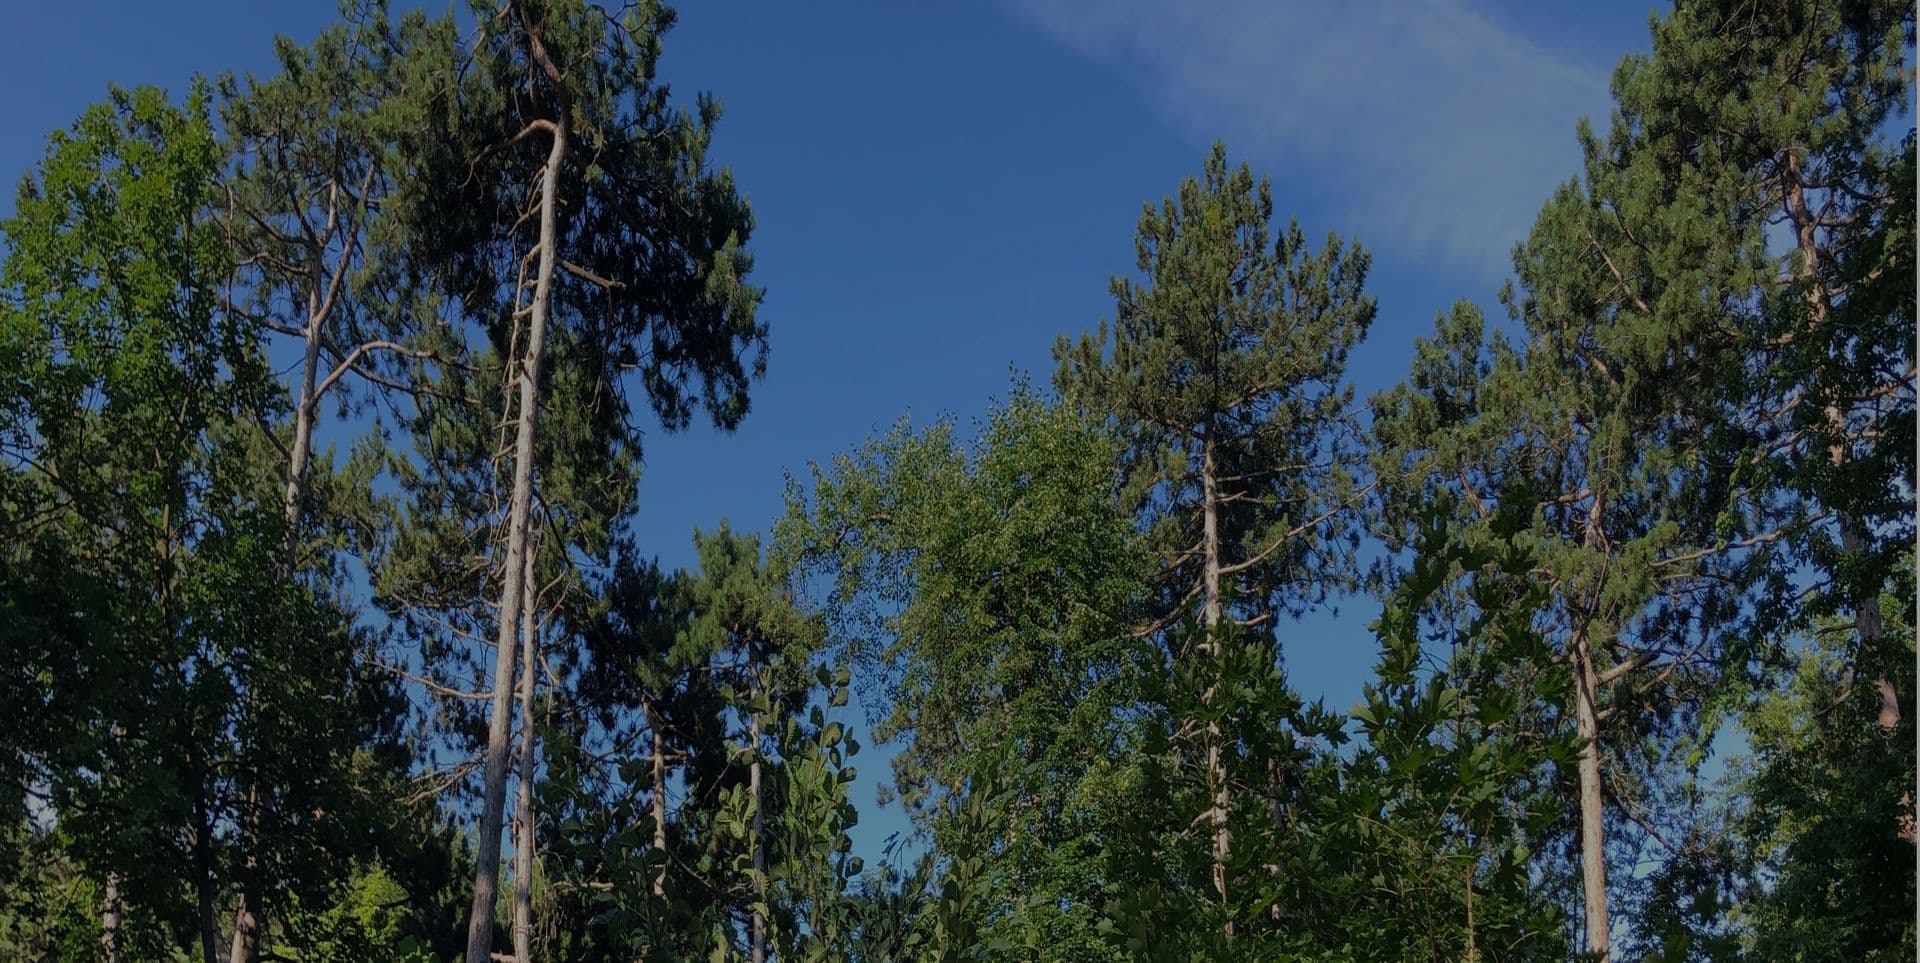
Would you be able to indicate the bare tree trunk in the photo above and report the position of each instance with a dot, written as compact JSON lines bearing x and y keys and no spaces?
{"x":1217,"y":789}
{"x":246,"y":918}
{"x":1593,"y":840}
{"x":1867,"y":621}
{"x":320,"y":298}
{"x":486,"y":868}
{"x":110,"y":920}
{"x":1473,"y":953}
{"x":1866,"y":610}
{"x":523,"y":808}
{"x":110,"y":904}
{"x":659,"y":797}
{"x":203,"y":887}
{"x":759,"y":922}
{"x":303,"y":408}
{"x":245,"y":947}
{"x":246,"y":937}
{"x":1277,"y":816}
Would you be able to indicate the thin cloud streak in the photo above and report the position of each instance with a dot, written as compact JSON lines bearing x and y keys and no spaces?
{"x":1438,"y":130}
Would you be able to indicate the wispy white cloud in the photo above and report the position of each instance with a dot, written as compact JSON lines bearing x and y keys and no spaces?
{"x":1428,"y":124}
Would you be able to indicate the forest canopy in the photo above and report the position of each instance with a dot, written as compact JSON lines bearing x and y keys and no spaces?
{"x":330,"y":633}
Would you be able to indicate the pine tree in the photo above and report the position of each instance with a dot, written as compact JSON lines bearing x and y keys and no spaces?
{"x":304,"y":181}
{"x":567,"y":207}
{"x":1223,"y":371}
{"x":1716,"y":380}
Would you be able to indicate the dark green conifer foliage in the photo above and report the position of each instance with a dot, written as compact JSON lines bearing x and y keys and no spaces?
{"x":711,"y":826}
{"x":1686,"y":377}
{"x":1223,"y":372}
{"x":563,"y":202}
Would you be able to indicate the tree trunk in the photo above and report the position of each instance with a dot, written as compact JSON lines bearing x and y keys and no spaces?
{"x":110,"y":920}
{"x":1867,"y":620}
{"x":1217,"y":790}
{"x":1473,"y":953}
{"x":246,"y":917}
{"x":523,"y":808}
{"x":203,"y":889}
{"x":1276,"y":815}
{"x":246,"y":935}
{"x":659,"y":797}
{"x":1593,"y":839}
{"x":303,"y":409}
{"x":486,"y":870}
{"x":759,"y":922}
{"x":1866,"y":607}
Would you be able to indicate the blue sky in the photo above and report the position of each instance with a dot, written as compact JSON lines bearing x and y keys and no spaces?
{"x":944,"y":188}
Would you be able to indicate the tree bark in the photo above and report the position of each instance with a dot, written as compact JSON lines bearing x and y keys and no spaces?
{"x":1872,"y":630}
{"x":486,"y":869}
{"x":1593,"y":839}
{"x":246,"y":936}
{"x":523,"y":808}
{"x":110,"y":920}
{"x":303,"y":408}
{"x":759,"y":921}
{"x":1217,"y":789}
{"x":1473,"y":952}
{"x":659,"y":797}
{"x":245,"y":947}
{"x":246,"y":918}
{"x":203,"y":884}
{"x":1866,"y":606}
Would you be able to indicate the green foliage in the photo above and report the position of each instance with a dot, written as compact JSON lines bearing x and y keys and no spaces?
{"x":991,"y":584}
{"x":703,"y":660}
{"x":201,"y":716}
{"x":1451,"y":790}
{"x":366,"y":920}
{"x":49,"y":910}
{"x":1235,"y":345}
{"x":1826,"y":797}
{"x":1672,"y":498}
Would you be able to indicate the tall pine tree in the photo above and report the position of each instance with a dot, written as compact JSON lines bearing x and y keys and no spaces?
{"x":1223,"y":371}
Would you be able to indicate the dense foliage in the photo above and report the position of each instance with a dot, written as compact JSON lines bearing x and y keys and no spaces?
{"x":328,"y":634}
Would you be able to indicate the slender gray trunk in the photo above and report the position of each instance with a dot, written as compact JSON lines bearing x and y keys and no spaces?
{"x":486,"y":870}
{"x":304,"y":407}
{"x":759,"y":923}
{"x":110,"y":920}
{"x":1217,"y":789}
{"x":1593,"y":840}
{"x":110,"y":902}
{"x":245,"y":947}
{"x":246,"y":918}
{"x":523,"y":808}
{"x":1473,"y":953}
{"x":1867,"y":622}
{"x":1866,"y":609}
{"x":203,"y":887}
{"x":1586,"y":715}
{"x":659,"y":797}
